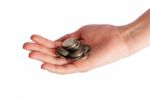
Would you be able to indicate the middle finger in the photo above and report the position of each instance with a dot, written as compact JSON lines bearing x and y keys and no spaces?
{"x":36,"y":47}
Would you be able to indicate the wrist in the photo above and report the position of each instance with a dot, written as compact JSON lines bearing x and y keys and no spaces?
{"x":126,"y":32}
{"x":137,"y":33}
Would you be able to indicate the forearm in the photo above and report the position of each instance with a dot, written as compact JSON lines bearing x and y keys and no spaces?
{"x":137,"y":33}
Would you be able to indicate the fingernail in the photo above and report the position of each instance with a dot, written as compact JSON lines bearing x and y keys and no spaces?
{"x":42,"y":66}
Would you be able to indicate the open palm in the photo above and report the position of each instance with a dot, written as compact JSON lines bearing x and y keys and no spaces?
{"x":107,"y":45}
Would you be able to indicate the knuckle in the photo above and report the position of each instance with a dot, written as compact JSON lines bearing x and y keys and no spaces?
{"x":39,"y":47}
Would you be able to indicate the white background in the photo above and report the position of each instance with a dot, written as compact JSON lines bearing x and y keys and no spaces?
{"x":22,"y":78}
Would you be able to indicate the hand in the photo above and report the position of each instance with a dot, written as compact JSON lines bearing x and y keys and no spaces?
{"x":106,"y":41}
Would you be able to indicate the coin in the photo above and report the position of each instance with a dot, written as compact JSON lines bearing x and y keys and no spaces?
{"x":85,"y":56}
{"x":69,"y":42}
{"x":77,"y":53}
{"x":78,"y":44}
{"x":62,"y":52}
{"x":86,"y":48}
{"x":73,"y":49}
{"x":74,"y":58}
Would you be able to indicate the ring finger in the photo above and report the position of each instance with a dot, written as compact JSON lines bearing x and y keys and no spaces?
{"x":48,"y":59}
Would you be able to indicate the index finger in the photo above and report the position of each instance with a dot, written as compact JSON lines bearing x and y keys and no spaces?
{"x":45,"y":42}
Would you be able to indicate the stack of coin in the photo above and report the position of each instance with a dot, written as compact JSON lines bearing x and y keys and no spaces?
{"x":73,"y":49}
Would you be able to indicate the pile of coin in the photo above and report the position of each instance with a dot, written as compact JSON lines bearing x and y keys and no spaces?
{"x":73,"y":49}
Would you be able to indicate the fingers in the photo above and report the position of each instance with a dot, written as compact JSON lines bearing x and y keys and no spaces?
{"x":45,"y":42}
{"x":60,"y":69}
{"x":72,"y":67}
{"x":36,"y":47}
{"x":44,"y":50}
{"x":48,"y":59}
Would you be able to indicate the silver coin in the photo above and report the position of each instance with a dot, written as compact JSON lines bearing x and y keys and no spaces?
{"x":84,"y":56}
{"x":62,"y":52}
{"x":69,"y":42}
{"x":73,"y":49}
{"x":81,"y":53}
{"x":77,"y":53}
{"x":86,"y":48}
{"x":78,"y":45}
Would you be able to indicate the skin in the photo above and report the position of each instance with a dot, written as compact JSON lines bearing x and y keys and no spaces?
{"x":108,"y":44}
